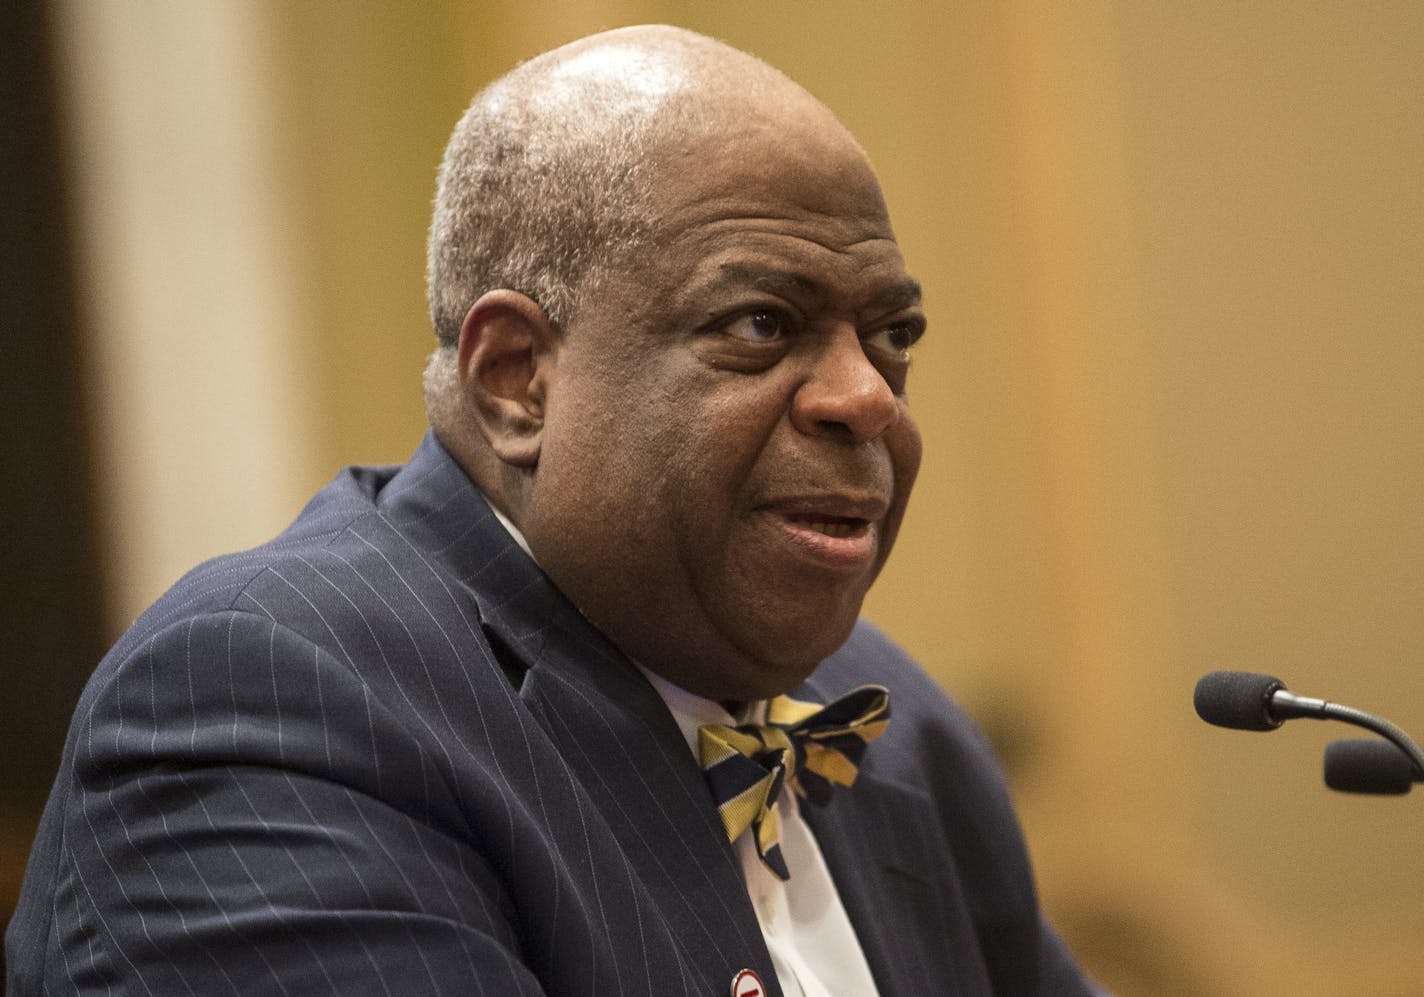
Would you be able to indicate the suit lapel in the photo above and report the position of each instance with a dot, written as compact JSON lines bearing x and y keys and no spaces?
{"x":610,"y":726}
{"x":624,"y":748}
{"x":912,"y":921}
{"x":875,"y":841}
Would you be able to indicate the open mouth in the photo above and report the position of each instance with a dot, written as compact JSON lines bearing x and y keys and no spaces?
{"x":838,"y":527}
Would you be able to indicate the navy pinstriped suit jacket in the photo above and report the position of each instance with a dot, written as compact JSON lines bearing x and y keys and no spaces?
{"x":382,"y":754}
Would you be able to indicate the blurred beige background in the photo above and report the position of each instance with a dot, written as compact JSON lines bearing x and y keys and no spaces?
{"x":1171,"y":394}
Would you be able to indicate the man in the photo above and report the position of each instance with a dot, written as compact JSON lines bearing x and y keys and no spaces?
{"x":439,"y":736}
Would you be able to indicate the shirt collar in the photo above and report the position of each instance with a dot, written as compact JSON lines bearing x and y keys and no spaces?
{"x":511,"y":529}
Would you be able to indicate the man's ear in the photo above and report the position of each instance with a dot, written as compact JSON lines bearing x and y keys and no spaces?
{"x":506,"y":352}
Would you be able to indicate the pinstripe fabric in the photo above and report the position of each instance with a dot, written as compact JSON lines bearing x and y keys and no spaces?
{"x":382,"y":755}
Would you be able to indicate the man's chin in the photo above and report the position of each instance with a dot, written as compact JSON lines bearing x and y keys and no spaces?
{"x":749,"y":651}
{"x":781,"y":664}
{"x":745,"y":675}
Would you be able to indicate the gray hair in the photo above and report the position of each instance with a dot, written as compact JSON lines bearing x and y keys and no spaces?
{"x":538,"y":190}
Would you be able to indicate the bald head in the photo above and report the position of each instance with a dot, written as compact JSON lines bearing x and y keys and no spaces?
{"x":547,"y":178}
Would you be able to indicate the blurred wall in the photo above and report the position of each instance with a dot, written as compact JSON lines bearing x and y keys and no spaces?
{"x":1170,"y":394}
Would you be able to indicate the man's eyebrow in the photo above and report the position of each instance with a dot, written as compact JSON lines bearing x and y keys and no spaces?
{"x":779,"y":282}
{"x":902,"y":294}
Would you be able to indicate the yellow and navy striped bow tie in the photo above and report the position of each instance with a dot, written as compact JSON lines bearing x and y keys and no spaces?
{"x":804,"y":745}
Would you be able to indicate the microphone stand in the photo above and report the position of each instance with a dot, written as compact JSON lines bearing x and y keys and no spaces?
{"x":1249,"y":701}
{"x":1286,"y":705}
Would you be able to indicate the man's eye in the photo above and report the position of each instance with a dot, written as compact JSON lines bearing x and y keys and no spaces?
{"x":897,"y":338}
{"x":759,"y":327}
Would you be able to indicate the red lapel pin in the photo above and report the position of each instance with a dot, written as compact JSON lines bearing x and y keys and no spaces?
{"x":747,"y":984}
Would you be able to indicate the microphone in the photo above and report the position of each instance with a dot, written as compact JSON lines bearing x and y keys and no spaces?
{"x":1248,"y":701}
{"x":1369,"y":766}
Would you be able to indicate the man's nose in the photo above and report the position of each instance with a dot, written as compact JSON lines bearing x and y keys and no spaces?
{"x":844,"y":395}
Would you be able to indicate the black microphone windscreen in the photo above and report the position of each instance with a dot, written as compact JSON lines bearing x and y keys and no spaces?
{"x":1368,"y":766}
{"x":1239,"y":700}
